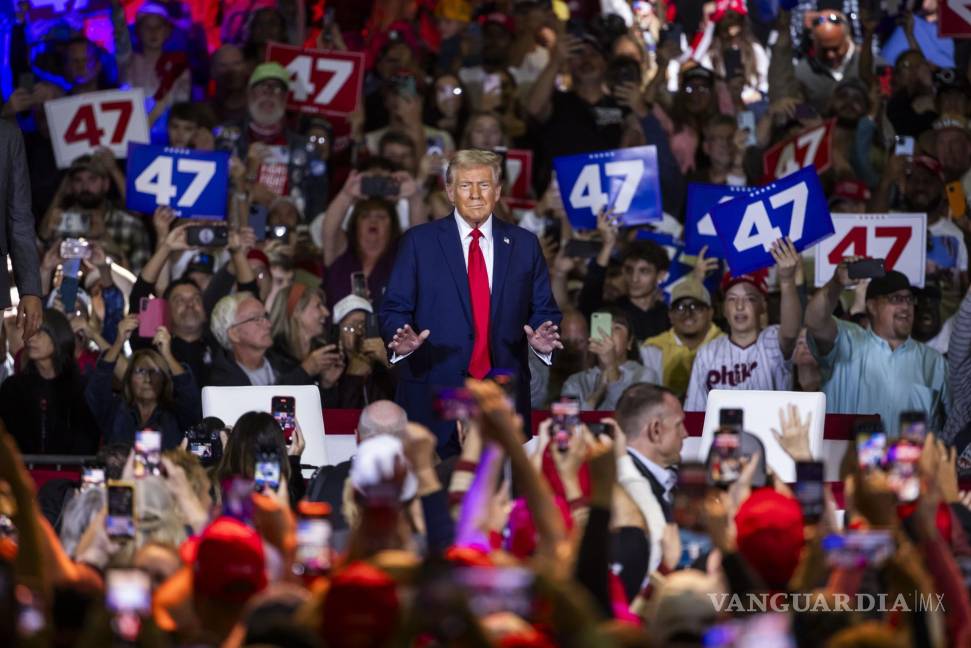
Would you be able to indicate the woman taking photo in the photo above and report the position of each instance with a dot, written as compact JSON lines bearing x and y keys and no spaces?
{"x":372,"y":241}
{"x":297,"y":319}
{"x":367,"y":376}
{"x":158,"y":393}
{"x":43,"y":405}
{"x":257,"y":437}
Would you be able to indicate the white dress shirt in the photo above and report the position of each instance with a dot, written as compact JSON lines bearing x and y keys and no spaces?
{"x":486,"y":245}
{"x":665,"y":476}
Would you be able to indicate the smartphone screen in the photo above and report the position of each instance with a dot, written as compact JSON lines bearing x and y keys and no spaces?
{"x":313,"y":544}
{"x":497,"y":589}
{"x":913,"y":427}
{"x":92,"y":477}
{"x":566,"y":419}
{"x":725,"y":459}
{"x":359,"y":284}
{"x":809,"y":489}
{"x":601,"y":326}
{"x":902,"y":458}
{"x":284,"y":409}
{"x":148,"y":453}
{"x":455,"y":404}
{"x":128,"y":591}
{"x":858,"y":549}
{"x":257,"y":220}
{"x":871,"y":445}
{"x":267,"y":474}
{"x":120,"y":520}
{"x":903,"y":145}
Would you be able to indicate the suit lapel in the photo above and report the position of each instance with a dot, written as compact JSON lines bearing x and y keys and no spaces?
{"x":501,"y":253}
{"x":448,"y":238}
{"x":656,"y":487}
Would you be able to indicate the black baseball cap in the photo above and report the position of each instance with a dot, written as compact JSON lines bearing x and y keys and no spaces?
{"x":888,"y":284}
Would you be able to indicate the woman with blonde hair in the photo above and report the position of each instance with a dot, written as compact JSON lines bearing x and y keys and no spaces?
{"x":297,"y":318}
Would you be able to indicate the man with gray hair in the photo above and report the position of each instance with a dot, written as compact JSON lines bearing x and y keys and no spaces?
{"x":379,"y":418}
{"x":468,"y":294}
{"x":242,"y":327}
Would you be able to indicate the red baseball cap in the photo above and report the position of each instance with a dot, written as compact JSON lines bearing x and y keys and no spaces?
{"x":361,"y":608}
{"x":770,"y":535}
{"x":757,"y":279}
{"x":229,"y":563}
{"x":851,"y":190}
{"x":930,"y":164}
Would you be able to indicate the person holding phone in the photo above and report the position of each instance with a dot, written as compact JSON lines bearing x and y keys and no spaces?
{"x":403,"y":101}
{"x":734,"y":53}
{"x":158,"y":393}
{"x":367,"y":376}
{"x":43,"y":404}
{"x":750,"y":356}
{"x":298,"y":323}
{"x":243,"y":328}
{"x":372,"y":236}
{"x":599,"y":387}
{"x":881,"y":369}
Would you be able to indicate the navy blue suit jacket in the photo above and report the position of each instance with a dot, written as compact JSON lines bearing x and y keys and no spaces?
{"x":429,"y":289}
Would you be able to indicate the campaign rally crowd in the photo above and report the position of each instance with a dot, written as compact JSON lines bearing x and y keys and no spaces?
{"x":521,"y":242}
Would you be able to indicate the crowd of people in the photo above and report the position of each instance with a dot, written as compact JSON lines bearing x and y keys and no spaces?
{"x":465,"y":531}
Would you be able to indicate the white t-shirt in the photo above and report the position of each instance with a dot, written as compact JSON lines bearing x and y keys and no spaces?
{"x":720,"y":364}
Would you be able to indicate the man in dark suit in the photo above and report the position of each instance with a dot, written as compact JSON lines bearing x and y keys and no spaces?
{"x":476,"y":288}
{"x":18,"y":236}
{"x":652,"y":423}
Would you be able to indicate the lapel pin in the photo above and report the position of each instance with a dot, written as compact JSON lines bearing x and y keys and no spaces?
{"x":505,"y":239}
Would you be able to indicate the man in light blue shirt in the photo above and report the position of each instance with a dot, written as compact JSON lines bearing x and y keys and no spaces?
{"x":881,"y":369}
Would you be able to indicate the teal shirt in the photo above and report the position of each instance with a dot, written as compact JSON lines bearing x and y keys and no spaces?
{"x":863,"y":375}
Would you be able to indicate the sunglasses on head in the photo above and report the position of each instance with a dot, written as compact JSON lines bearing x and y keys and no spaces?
{"x":833,"y":18}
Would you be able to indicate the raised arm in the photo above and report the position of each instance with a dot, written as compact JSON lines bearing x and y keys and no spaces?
{"x":333,"y":239}
{"x":819,"y":311}
{"x":787,"y":260}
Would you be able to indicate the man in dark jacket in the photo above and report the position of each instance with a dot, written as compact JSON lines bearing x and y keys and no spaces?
{"x":242,"y":327}
{"x":18,"y":233}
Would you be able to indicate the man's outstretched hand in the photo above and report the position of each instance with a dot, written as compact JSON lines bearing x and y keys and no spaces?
{"x":405,"y":340}
{"x":544,"y":339}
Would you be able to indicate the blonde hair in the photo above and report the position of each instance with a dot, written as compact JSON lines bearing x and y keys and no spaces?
{"x":472,"y":158}
{"x":285,"y":317}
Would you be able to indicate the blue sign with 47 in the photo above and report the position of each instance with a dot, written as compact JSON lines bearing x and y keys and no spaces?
{"x":793,"y":206}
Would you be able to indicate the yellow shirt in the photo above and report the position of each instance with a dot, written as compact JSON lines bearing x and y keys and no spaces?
{"x":669,"y":356}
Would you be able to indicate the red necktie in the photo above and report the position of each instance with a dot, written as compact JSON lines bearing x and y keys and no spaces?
{"x":479,"y":363}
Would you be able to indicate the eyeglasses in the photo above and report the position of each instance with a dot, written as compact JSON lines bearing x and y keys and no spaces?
{"x":256,"y":318}
{"x":692,"y":89}
{"x":358,"y":329}
{"x":901,"y":300}
{"x":686,"y":307}
{"x":833,"y":18}
{"x":146,"y":372}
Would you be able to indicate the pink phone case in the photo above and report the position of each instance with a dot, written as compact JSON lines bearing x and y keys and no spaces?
{"x":153,"y":314}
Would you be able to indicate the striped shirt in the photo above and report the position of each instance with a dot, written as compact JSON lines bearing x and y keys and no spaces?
{"x":722,"y":364}
{"x":959,"y":373}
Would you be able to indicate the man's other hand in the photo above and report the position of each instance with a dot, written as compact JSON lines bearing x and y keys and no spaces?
{"x":544,"y":339}
{"x":29,"y":315}
{"x":405,"y":340}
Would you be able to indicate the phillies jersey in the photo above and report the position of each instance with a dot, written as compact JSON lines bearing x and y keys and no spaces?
{"x":721,"y":364}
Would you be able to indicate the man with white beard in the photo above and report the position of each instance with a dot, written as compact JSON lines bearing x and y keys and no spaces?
{"x":275,"y":157}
